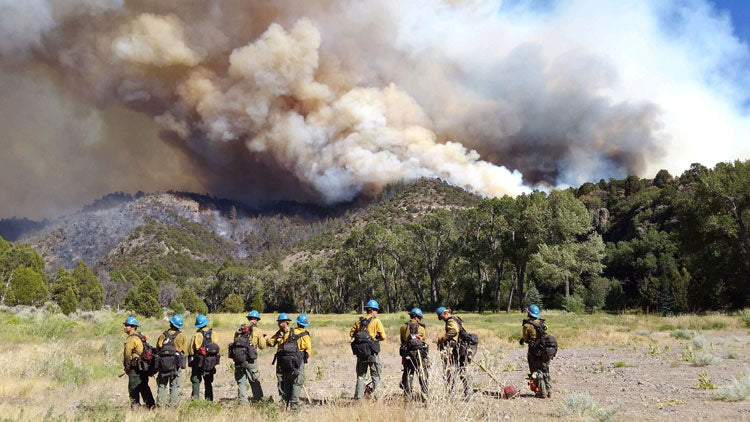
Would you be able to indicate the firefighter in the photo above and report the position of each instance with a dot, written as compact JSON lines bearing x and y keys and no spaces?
{"x":538,"y":363}
{"x":294,"y":348}
{"x":366,"y":333}
{"x":248,"y":373}
{"x":171,"y":348}
{"x":453,"y":353}
{"x":137,"y":381}
{"x":414,"y":354}
{"x":197,"y":373}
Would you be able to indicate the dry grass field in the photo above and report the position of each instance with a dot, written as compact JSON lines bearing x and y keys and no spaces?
{"x":610,"y":367}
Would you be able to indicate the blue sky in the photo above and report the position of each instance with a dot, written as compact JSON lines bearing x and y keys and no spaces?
{"x":739,"y":11}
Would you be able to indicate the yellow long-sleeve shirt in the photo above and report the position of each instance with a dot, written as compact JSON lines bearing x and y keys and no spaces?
{"x":256,"y":339}
{"x":133,"y":349}
{"x":374,"y":328}
{"x":195,"y":343}
{"x":406,"y":333}
{"x":304,"y":344}
{"x":529,"y":332}
{"x":180,"y":341}
{"x":451,"y":331}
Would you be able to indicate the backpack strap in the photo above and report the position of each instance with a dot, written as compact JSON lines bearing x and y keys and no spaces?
{"x":207,"y":337}
{"x":296,"y":337}
{"x":171,"y":337}
{"x":364,"y":323}
{"x":540,"y":331}
{"x":461,"y":329}
{"x":413,"y":327}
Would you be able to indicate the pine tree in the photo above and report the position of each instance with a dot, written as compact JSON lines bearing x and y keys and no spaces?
{"x":533,"y":297}
{"x":88,"y":285}
{"x":68,"y":301}
{"x":666,"y":298}
{"x":64,"y":289}
{"x":148,"y":286}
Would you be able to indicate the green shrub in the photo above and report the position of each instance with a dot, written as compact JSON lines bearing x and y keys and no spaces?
{"x":738,"y":390}
{"x":177,"y":307}
{"x":233,"y":304}
{"x":27,"y":287}
{"x":192,"y":301}
{"x":87,"y":304}
{"x":744,"y":316}
{"x":142,"y":304}
{"x":705,"y":359}
{"x":574,"y":303}
{"x":700,"y":341}
{"x":681,"y":334}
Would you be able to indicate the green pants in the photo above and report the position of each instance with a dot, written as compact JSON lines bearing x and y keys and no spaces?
{"x":413,"y":365}
{"x":541,"y":367}
{"x":138,"y":388}
{"x":196,"y":376}
{"x":245,"y":376}
{"x":373,"y":364}
{"x":173,"y":381}
{"x":290,"y":387}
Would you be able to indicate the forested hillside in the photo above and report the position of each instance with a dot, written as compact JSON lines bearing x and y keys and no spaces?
{"x":667,"y":245}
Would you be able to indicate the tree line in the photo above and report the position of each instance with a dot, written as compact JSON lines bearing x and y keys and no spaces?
{"x":667,"y":245}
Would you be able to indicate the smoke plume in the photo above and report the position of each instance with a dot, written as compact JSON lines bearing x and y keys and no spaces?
{"x":319,"y":101}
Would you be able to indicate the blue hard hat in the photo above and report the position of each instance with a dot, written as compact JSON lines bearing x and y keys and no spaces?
{"x":302,"y":320}
{"x":417,"y":312}
{"x":201,"y":321}
{"x":440,"y":310}
{"x":372,"y":304}
{"x":534,"y":311}
{"x":253,"y":314}
{"x":176,"y":321}
{"x":131,"y":321}
{"x":283,"y":317}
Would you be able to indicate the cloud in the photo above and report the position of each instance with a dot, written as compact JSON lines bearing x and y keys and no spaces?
{"x":320,"y":101}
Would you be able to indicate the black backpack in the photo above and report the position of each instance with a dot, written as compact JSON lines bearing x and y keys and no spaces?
{"x":208,"y":355}
{"x":413,"y":344}
{"x":363,"y":345}
{"x":170,"y":360}
{"x":545,"y":345}
{"x":241,"y":351}
{"x":289,"y":358}
{"x":146,"y":362}
{"x":467,"y":343}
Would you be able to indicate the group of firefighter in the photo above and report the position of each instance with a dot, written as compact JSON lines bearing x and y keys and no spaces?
{"x":174,"y":352}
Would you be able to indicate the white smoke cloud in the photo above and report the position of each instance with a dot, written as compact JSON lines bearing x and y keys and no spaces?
{"x":290,"y":100}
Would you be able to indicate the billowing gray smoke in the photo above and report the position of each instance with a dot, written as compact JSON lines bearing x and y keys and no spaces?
{"x":321,"y":100}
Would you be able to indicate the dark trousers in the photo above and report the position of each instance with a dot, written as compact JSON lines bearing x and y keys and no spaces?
{"x":414,"y":363}
{"x":196,"y":376}
{"x":541,"y":367}
{"x":138,"y":388}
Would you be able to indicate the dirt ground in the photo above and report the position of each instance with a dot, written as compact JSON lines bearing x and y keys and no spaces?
{"x":653,"y":381}
{"x":632,"y":366}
